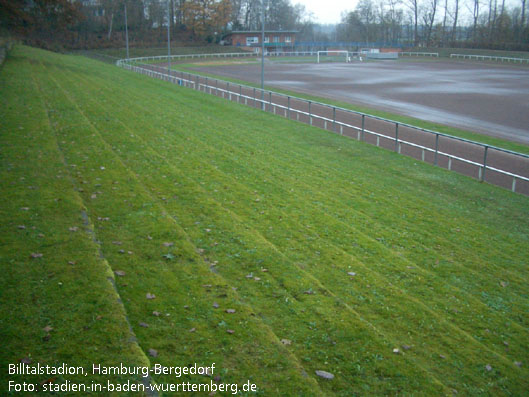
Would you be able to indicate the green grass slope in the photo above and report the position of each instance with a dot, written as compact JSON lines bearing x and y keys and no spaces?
{"x":267,"y":247}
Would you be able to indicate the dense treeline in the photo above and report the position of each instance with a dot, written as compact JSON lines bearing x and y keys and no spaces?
{"x":427,"y":23}
{"x":439,"y":23}
{"x":96,"y":23}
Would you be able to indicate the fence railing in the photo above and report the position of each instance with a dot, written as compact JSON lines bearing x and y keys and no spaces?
{"x":490,"y":58}
{"x":418,"y":54}
{"x":489,"y":163}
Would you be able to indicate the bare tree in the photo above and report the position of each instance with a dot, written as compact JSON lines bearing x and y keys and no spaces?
{"x":454,"y":26}
{"x":443,"y":33}
{"x":414,"y":7}
{"x":429,"y":18}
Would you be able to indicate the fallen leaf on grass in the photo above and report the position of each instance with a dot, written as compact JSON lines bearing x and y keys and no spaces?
{"x":167,"y":244}
{"x":518,"y":363}
{"x":36,"y":255}
{"x":286,"y":341}
{"x":192,"y":330}
{"x":230,"y":310}
{"x":153,"y":353}
{"x":230,"y":331}
{"x":120,"y":273}
{"x":47,"y":328}
{"x":155,"y":313}
{"x":215,"y":305}
{"x":117,"y":242}
{"x":73,"y":229}
{"x":324,"y":374}
{"x":21,"y":227}
{"x":488,"y":367}
{"x":503,"y":284}
{"x":150,"y":296}
{"x":144,"y":325}
{"x":351,"y":274}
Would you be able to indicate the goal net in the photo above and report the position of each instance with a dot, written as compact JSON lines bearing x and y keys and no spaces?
{"x":333,"y":56}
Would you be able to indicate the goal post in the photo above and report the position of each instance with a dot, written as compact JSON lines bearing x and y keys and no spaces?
{"x":333,"y":56}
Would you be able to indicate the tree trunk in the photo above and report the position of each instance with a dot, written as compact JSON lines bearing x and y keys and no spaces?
{"x":454,"y":27}
{"x":110,"y":26}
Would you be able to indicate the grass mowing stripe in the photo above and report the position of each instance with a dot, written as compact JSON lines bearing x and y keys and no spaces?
{"x":496,"y":283}
{"x":213,"y":276}
{"x":143,"y":165}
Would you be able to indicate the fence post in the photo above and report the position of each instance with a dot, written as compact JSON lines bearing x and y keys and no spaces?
{"x":484,"y":164}
{"x":288,"y":107}
{"x":363,"y":127}
{"x":334,"y":119}
{"x":436,"y":148}
{"x":270,"y":100}
{"x":254,"y":97}
{"x":396,"y":137}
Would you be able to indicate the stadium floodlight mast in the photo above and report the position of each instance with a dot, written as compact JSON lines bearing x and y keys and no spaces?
{"x":126,"y":31}
{"x":262,"y":51}
{"x":168,"y":40}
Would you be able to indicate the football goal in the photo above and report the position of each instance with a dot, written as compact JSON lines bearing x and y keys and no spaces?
{"x":333,"y":56}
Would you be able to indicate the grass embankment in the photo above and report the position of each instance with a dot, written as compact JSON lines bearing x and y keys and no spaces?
{"x":175,"y":50}
{"x":331,"y":252}
{"x":473,"y":136}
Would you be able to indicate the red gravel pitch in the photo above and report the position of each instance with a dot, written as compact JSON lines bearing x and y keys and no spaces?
{"x":486,"y":98}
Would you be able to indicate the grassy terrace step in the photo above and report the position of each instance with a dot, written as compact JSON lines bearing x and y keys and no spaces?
{"x":440,"y":259}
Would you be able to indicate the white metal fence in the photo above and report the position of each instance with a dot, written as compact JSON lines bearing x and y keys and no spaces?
{"x":490,"y":58}
{"x":486,"y":162}
{"x":419,"y":54}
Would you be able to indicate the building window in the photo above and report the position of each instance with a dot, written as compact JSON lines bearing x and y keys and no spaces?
{"x":252,"y":40}
{"x":288,"y":39}
{"x":276,"y":39}
{"x":267,"y":39}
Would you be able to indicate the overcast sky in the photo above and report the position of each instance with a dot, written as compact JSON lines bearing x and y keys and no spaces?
{"x":327,"y":11}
